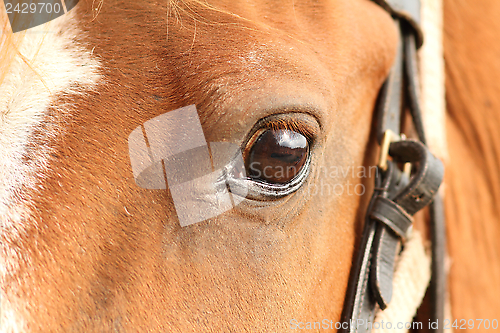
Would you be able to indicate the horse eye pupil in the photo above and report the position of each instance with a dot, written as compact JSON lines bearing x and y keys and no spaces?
{"x":277,"y":156}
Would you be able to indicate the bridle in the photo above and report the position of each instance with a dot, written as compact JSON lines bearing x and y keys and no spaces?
{"x":398,"y":194}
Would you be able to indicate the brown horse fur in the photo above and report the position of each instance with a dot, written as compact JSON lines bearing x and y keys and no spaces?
{"x":472,"y":56}
{"x":101,"y":254}
{"x":96,"y":253}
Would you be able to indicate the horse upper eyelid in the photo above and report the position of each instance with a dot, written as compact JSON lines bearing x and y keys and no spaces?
{"x":302,"y":123}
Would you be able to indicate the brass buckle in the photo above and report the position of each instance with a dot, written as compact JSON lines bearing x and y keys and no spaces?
{"x":389,"y":137}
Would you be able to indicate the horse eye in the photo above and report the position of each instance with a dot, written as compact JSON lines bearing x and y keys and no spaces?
{"x":277,"y":156}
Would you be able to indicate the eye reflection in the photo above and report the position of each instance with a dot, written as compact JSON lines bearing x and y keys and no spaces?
{"x":277,"y":156}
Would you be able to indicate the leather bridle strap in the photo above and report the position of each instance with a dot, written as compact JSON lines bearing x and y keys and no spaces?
{"x":397,"y":195}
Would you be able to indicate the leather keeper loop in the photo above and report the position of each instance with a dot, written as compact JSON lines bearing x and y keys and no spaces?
{"x":392,"y":215}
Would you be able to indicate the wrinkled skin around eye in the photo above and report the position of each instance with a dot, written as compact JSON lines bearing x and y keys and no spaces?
{"x":277,"y":156}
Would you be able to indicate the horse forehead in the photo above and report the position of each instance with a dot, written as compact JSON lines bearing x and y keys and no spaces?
{"x":197,"y":34}
{"x":338,"y":30}
{"x":226,"y":46}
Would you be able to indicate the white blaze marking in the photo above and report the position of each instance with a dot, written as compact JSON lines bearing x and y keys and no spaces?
{"x":53,"y":65}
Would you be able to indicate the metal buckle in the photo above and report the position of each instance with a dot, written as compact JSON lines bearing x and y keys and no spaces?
{"x":389,"y":137}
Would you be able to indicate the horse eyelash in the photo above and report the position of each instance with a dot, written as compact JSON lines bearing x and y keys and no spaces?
{"x":292,"y":125}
